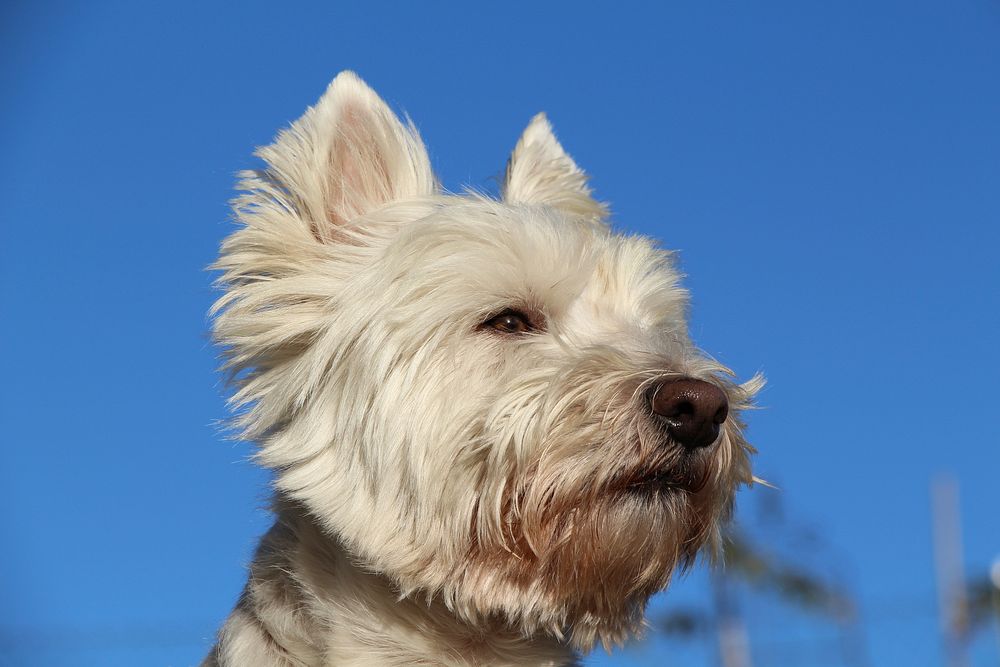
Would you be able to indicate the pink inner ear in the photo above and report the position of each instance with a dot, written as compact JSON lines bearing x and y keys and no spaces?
{"x":359,"y":179}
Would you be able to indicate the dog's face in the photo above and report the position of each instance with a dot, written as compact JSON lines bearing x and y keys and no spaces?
{"x":493,"y":402}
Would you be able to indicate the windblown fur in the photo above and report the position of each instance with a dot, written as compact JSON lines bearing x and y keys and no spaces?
{"x":447,"y":493}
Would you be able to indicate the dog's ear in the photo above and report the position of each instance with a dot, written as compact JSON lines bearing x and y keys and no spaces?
{"x":540,"y":172}
{"x":348,"y":156}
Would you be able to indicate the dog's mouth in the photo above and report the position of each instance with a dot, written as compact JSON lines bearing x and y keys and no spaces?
{"x":685,"y":477}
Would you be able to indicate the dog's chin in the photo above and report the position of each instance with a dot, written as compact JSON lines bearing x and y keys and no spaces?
{"x":592,"y":569}
{"x":634,"y":542}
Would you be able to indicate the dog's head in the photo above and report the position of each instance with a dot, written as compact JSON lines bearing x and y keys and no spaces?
{"x":492,"y":402}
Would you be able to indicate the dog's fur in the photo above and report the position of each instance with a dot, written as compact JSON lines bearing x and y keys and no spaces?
{"x":448,"y":491}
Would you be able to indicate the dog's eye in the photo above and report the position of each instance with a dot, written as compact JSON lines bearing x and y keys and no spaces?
{"x":511,"y":322}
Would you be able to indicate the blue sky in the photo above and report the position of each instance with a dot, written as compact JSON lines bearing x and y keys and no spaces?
{"x":830,"y":173}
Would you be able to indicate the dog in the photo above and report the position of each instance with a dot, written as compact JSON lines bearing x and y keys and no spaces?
{"x":492,"y":438}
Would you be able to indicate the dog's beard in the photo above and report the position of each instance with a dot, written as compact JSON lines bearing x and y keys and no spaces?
{"x":588,"y":538}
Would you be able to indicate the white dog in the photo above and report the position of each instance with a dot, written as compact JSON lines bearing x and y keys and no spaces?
{"x":491,"y":435}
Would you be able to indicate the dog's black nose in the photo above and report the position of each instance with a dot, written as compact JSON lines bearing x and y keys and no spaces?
{"x":692,"y":409}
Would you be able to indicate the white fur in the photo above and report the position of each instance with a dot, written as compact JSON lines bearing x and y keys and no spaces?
{"x":447,"y":495}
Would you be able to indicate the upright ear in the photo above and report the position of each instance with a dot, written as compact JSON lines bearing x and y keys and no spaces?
{"x":348,"y":156}
{"x":540,"y":172}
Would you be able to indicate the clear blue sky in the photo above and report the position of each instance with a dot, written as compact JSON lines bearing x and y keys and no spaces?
{"x":830,"y":172}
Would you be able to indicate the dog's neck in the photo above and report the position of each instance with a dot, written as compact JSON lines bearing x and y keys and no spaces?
{"x":307,"y":602}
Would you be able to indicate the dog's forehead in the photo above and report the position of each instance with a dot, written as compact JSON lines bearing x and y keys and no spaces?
{"x":570,"y":266}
